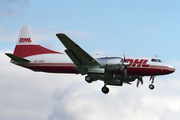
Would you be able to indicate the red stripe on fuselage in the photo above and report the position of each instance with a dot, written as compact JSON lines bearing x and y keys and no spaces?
{"x":51,"y":64}
{"x":70,"y":68}
{"x":51,"y":67}
{"x":29,"y":50}
{"x":161,"y":70}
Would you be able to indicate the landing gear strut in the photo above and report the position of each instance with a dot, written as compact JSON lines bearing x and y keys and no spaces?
{"x":151,"y":86}
{"x":105,"y":89}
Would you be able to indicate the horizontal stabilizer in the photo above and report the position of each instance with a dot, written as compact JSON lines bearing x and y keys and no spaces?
{"x":17,"y":58}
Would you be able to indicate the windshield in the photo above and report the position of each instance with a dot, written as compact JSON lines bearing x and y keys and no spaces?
{"x":156,"y":60}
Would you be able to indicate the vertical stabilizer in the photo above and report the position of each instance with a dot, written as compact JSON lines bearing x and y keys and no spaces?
{"x":26,"y":45}
{"x":25,"y":36}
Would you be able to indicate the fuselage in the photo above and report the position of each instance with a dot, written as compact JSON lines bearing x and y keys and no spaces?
{"x":61,"y":63}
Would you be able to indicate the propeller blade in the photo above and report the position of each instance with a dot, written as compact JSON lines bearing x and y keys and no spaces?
{"x":124,"y":58}
{"x":137,"y":85}
{"x":122,"y":67}
{"x":139,"y":80}
{"x":125,"y":72}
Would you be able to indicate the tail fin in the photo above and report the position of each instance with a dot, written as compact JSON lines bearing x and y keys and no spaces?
{"x":25,"y":36}
{"x":26,"y":45}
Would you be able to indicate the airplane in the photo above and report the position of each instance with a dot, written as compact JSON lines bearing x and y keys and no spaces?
{"x":112,"y":70}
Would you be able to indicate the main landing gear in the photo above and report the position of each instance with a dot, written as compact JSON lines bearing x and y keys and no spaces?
{"x":151,"y":86}
{"x":88,"y":79}
{"x":105,"y":89}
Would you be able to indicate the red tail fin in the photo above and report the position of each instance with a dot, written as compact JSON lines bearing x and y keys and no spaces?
{"x":26,"y":45}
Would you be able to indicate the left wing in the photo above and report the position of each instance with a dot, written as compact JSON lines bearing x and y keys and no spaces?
{"x":80,"y":57}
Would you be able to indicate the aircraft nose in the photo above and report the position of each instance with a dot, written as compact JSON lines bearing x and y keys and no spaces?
{"x":171,"y":68}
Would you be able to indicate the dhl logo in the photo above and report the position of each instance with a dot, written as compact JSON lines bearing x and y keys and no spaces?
{"x":137,"y":63}
{"x":25,"y":40}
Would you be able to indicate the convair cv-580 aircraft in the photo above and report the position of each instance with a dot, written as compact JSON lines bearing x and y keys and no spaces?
{"x":112,"y":70}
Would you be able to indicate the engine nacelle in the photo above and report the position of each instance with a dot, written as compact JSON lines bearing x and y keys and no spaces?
{"x":96,"y":70}
{"x":110,"y":63}
{"x":115,"y":82}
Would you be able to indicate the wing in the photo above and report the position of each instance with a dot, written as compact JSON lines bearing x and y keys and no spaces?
{"x":80,"y":57}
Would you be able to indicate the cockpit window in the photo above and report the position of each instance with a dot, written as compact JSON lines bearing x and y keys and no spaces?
{"x":153,"y":60}
{"x":156,"y":60}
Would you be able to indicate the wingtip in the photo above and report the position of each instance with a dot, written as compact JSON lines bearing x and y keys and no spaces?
{"x":17,"y":58}
{"x":60,"y":34}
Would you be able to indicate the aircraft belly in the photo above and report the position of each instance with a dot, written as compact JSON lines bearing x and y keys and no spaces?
{"x":113,"y":79}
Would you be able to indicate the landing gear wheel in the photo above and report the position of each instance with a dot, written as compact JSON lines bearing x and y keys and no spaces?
{"x":105,"y":90}
{"x":88,"y":79}
{"x":151,"y":86}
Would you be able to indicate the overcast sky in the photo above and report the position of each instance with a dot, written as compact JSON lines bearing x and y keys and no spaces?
{"x":133,"y":27}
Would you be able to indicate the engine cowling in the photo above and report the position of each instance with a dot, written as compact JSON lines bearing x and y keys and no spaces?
{"x":110,"y":63}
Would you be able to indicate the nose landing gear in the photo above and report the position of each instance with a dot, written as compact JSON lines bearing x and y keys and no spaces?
{"x":151,"y":86}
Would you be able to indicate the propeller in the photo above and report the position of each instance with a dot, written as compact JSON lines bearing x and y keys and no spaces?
{"x":124,"y":67}
{"x":139,"y":80}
